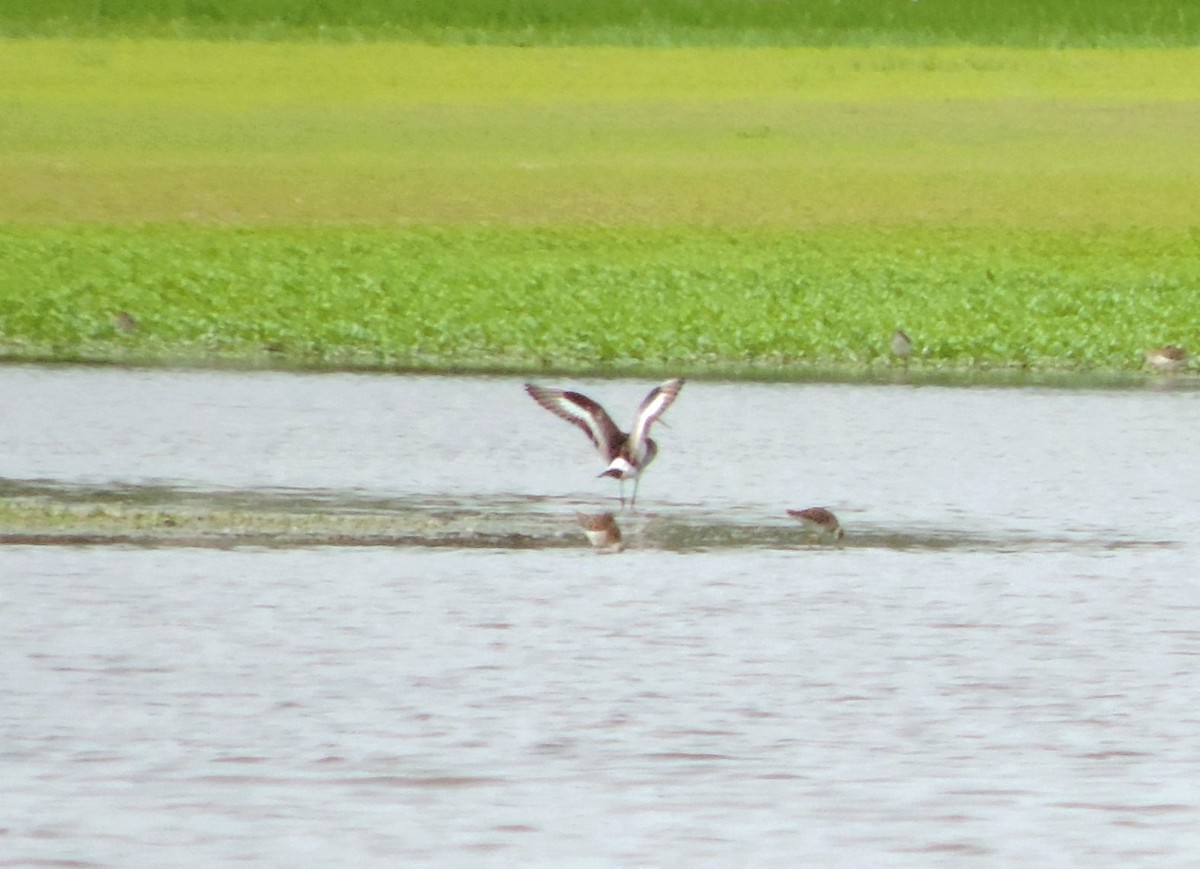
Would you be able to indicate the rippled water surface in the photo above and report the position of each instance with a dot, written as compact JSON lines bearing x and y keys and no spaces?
{"x":1001,"y":664}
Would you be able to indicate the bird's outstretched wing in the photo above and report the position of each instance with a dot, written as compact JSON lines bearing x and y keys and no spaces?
{"x":580,"y":410}
{"x":652,"y":407}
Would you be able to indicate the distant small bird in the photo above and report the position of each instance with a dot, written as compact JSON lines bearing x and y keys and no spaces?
{"x":601,"y":530}
{"x":821,"y":520}
{"x":1167,"y":359}
{"x":901,"y":346}
{"x":626,"y":454}
{"x":124,"y":322}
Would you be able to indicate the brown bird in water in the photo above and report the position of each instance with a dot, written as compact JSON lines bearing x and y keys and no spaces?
{"x":601,"y":530}
{"x":821,"y":520}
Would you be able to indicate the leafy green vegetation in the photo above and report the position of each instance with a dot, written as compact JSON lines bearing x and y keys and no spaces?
{"x":635,"y":300}
{"x":748,"y":211}
{"x":636,"y":22}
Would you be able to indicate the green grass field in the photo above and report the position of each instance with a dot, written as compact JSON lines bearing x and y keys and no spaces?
{"x":243,"y":133}
{"x":1044,"y":23}
{"x":604,"y":208}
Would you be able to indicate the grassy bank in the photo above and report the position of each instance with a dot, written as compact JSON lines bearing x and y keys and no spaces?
{"x":617,"y":299}
{"x":603,"y":209}
{"x":638,"y":22}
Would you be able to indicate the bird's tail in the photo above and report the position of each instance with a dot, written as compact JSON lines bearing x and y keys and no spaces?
{"x":619,"y":469}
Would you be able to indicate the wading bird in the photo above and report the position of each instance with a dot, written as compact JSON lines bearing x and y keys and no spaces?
{"x":601,"y":530}
{"x":901,"y":346}
{"x":124,"y":322}
{"x":1168,"y":359}
{"x":821,"y":520}
{"x":626,"y":454}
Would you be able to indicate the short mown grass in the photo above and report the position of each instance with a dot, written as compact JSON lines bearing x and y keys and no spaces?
{"x":235,"y":133}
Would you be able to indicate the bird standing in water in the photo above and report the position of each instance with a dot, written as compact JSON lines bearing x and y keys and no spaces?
{"x":626,"y":453}
{"x":821,"y":520}
{"x":602,"y":531}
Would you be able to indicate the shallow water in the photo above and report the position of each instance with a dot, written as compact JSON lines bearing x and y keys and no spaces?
{"x":1002,"y":662}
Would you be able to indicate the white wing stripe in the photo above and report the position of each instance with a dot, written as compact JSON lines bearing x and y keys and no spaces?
{"x":655,"y":405}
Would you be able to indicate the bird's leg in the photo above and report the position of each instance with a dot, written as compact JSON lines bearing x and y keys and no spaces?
{"x":636,"y":481}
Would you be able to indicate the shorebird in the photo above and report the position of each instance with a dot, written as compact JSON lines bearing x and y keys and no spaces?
{"x":626,"y":454}
{"x":901,"y":346}
{"x":124,"y":322}
{"x":821,"y":520}
{"x":601,"y":530}
{"x":1170,"y":358}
